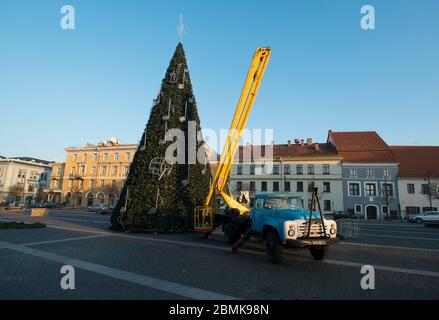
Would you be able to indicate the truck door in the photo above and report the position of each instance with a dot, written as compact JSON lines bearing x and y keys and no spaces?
{"x":258,"y":215}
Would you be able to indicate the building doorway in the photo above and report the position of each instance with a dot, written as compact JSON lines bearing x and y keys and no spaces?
{"x":90,"y":198}
{"x":372,"y":213}
{"x":101,"y":198}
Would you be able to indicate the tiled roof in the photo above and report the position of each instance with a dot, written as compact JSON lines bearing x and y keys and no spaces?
{"x":287,"y":151}
{"x":416,"y":161}
{"x":358,"y":147}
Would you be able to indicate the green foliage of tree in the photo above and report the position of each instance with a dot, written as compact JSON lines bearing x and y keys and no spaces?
{"x":177,"y":200}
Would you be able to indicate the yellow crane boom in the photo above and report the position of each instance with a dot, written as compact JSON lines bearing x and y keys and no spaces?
{"x":203,"y":217}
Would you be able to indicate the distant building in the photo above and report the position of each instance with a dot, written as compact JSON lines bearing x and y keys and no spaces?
{"x":418,"y":171}
{"x":95,"y":174}
{"x":370,"y":174}
{"x":295,"y":168}
{"x":24,"y":180}
{"x":56,"y":182}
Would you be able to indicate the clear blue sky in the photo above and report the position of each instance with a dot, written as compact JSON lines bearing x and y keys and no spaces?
{"x":65,"y":88}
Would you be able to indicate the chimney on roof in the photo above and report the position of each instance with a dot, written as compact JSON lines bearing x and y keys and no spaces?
{"x":289,"y":143}
{"x":297,"y":141}
{"x":317,"y":147}
{"x":302,"y":143}
{"x":309,"y":141}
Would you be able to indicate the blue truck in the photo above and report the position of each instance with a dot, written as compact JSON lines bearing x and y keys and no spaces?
{"x":281,"y":222}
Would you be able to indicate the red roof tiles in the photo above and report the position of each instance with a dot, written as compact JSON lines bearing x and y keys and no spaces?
{"x":416,"y":161}
{"x":359,"y":147}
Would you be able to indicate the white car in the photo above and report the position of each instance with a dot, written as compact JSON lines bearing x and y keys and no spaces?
{"x":421,"y":217}
{"x":431,"y":218}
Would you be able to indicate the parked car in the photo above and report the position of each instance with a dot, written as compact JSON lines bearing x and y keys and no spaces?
{"x":432,"y":218}
{"x":51,"y":205}
{"x":96,"y":208}
{"x":106,"y":210}
{"x":420,"y":217}
{"x":344,"y":215}
{"x":36,"y":205}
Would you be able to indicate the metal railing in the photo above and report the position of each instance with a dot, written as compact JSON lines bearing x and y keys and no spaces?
{"x":348,"y":229}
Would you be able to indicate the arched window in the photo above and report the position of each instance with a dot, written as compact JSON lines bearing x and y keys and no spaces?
{"x":101,"y":198}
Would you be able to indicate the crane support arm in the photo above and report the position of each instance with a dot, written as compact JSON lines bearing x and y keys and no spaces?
{"x":245,"y":104}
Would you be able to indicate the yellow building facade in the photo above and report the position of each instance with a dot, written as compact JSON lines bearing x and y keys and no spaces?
{"x":95,"y":174}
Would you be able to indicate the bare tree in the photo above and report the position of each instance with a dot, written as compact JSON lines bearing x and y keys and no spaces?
{"x":16,"y":190}
{"x":434,"y":190}
{"x":387,"y":197}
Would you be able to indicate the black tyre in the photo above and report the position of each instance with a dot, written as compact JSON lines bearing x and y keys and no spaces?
{"x":418,"y":220}
{"x":273,"y":247}
{"x":230,"y":235}
{"x":319,"y":253}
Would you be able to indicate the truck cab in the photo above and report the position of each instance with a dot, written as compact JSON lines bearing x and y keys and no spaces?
{"x":281,"y":221}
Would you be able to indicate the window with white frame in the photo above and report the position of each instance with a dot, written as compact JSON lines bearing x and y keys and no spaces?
{"x":353,"y":172}
{"x":116,"y":156}
{"x":103,"y":170}
{"x":102,"y":184}
{"x":371,"y":189}
{"x":105,"y":156}
{"x":252,"y":169}
{"x":74,"y":157}
{"x":239,"y":169}
{"x":386,"y":173}
{"x":354,"y":189}
{"x":411,"y":188}
{"x":387,"y":189}
{"x":287,"y":169}
{"x":127,"y":156}
{"x":299,"y":169}
{"x":370,"y":173}
{"x":326,"y":169}
{"x":93,"y":170}
{"x":276,"y":169}
{"x":95,"y":157}
{"x":114,"y":171}
{"x":310,"y":169}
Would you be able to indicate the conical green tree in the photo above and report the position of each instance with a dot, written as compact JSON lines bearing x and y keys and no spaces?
{"x":158,"y":196}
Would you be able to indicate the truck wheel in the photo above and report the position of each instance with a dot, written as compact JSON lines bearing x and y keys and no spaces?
{"x":273,"y":248}
{"x":230,"y":235}
{"x":319,"y":253}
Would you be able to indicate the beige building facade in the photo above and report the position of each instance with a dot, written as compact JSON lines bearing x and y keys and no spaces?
{"x":94,"y":174}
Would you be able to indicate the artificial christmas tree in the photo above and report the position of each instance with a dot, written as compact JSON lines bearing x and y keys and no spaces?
{"x":160,"y":195}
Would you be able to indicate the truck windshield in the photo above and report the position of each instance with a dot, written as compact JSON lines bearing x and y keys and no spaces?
{"x":283,"y":203}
